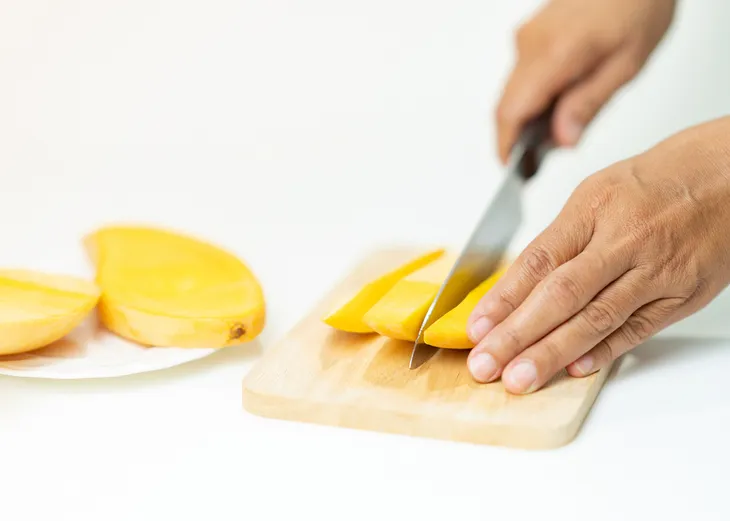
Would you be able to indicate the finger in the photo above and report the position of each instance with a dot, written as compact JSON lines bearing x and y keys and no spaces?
{"x":603,"y":315}
{"x":556,"y":299}
{"x":542,"y":72}
{"x":579,"y":105}
{"x":565,"y":238}
{"x":639,"y":327}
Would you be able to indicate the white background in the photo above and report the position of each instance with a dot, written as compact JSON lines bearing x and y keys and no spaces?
{"x":301,"y":134}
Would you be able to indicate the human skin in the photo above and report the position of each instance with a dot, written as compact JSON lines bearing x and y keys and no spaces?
{"x":579,"y":53}
{"x":637,"y":247}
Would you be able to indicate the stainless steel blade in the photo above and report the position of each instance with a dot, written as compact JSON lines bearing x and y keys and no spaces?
{"x":479,"y":259}
{"x":492,"y":235}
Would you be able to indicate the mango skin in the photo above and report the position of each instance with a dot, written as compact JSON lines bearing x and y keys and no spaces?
{"x":160,"y":330}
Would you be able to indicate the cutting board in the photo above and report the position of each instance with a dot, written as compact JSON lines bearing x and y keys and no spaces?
{"x":319,"y":375}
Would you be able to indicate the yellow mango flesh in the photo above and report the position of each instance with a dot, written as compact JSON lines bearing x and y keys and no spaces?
{"x":37,"y":309}
{"x":449,"y":331}
{"x":400,"y":313}
{"x":348,"y":315}
{"x":162,"y":288}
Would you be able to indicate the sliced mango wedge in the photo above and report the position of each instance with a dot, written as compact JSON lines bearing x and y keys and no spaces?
{"x":348,"y":314}
{"x":400,"y":313}
{"x":37,"y":309}
{"x":163,"y":288}
{"x":449,"y":331}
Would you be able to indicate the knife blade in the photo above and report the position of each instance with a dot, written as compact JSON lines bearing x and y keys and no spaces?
{"x":485,"y":248}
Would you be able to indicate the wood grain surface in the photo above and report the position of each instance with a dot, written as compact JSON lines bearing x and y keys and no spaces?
{"x":318,"y":375}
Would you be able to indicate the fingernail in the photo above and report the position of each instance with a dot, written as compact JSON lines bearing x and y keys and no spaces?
{"x":482,"y":367}
{"x":573,"y":131}
{"x":584,"y":365}
{"x":479,"y":329}
{"x":522,"y":376}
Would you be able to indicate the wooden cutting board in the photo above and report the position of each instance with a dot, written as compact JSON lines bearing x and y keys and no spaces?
{"x":318,"y":375}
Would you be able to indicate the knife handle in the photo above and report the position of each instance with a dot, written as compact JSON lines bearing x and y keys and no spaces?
{"x":535,"y":141}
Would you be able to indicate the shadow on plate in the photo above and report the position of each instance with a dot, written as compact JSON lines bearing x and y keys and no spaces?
{"x":234,"y":356}
{"x":72,"y":345}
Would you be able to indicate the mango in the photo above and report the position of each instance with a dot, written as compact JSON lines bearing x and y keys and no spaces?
{"x":348,"y":315}
{"x":163,"y":288}
{"x":400,"y":312}
{"x":37,"y":309}
{"x":449,"y":331}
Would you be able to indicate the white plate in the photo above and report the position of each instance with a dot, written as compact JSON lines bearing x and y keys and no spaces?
{"x":92,"y":352}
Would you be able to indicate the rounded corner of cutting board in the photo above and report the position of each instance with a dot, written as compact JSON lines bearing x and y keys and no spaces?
{"x":253,"y":402}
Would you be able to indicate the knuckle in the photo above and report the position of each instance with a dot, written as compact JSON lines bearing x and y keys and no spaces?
{"x":522,"y":35}
{"x":603,"y":352}
{"x":508,"y":301}
{"x":583,"y":108}
{"x":505,"y":301}
{"x":631,"y":66}
{"x":509,"y":343}
{"x":685,"y":274}
{"x":674,"y":271}
{"x":539,"y":262}
{"x":536,"y":38}
{"x":644,"y":278}
{"x":669,"y":264}
{"x":639,"y":327}
{"x":602,"y":196}
{"x":559,"y":50}
{"x":600,"y":317}
{"x":641,"y":231}
{"x":564,"y":291}
{"x":700,"y":289}
{"x":507,"y":112}
{"x":665,"y":308}
{"x":525,"y":35}
{"x":587,"y":103}
{"x":585,"y":189}
{"x":552,"y":356}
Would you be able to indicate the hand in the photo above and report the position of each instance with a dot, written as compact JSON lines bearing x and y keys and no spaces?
{"x":637,"y":247}
{"x":580,"y":52}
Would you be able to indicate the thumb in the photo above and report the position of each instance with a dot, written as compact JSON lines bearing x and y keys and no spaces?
{"x":582,"y":102}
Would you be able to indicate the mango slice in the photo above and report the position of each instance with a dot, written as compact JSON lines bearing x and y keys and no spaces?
{"x":37,"y":309}
{"x":400,"y":313}
{"x":162,"y":288}
{"x":348,"y":315}
{"x":449,"y":331}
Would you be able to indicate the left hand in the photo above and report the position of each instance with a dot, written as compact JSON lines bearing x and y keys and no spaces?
{"x":637,"y":247}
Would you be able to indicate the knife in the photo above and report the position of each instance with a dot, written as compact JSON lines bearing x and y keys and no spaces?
{"x":492,"y":235}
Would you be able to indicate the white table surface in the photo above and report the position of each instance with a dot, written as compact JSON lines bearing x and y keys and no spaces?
{"x":301,"y":134}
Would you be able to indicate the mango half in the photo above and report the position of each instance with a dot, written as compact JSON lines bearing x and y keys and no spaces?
{"x":162,"y":288}
{"x":37,"y":309}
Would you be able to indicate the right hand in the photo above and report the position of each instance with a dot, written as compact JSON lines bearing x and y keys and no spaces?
{"x":579,"y":52}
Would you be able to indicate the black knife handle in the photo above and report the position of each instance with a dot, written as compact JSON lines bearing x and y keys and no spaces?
{"x":536,"y":139}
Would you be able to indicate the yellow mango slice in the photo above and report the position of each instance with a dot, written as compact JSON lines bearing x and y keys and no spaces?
{"x":348,"y":314}
{"x":400,"y":313}
{"x":449,"y":331}
{"x":37,"y":309}
{"x":162,"y":288}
